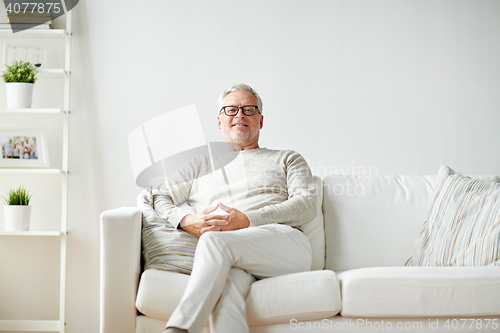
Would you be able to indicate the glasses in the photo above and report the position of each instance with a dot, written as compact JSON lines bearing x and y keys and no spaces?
{"x":248,"y":110}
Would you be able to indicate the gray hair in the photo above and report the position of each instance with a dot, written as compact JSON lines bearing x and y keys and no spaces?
{"x":240,"y":86}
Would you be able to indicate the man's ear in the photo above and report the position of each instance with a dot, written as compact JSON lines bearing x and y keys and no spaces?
{"x":218,"y":121}
{"x":261,"y":121}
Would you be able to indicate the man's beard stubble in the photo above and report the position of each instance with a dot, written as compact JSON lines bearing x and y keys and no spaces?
{"x":240,"y":138}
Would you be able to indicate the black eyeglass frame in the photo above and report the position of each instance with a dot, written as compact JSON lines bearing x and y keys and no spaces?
{"x":239,"y":108}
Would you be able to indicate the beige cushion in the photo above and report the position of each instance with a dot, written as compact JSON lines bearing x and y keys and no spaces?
{"x":463,"y":225}
{"x":163,"y":246}
{"x":315,"y":230}
{"x":160,"y":292}
{"x":421,"y":291}
{"x":303,"y":296}
{"x":300,"y":296}
{"x":372,"y":221}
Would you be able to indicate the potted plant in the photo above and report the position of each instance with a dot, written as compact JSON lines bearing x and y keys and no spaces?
{"x":17,"y":209}
{"x":19,"y":77}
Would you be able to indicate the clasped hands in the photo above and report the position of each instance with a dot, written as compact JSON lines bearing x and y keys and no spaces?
{"x":203,"y":221}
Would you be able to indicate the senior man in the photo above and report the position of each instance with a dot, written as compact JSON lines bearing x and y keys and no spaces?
{"x":8,"y":149}
{"x":271,"y":195}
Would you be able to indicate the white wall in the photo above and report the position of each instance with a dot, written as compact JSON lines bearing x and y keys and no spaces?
{"x":397,"y":86}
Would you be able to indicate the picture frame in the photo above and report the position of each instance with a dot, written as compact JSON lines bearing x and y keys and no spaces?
{"x":32,"y":141}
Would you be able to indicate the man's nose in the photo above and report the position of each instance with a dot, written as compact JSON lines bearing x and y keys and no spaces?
{"x":240,"y":113}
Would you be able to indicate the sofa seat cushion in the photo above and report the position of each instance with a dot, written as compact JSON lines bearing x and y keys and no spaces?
{"x":420,"y":291}
{"x":302,"y":296}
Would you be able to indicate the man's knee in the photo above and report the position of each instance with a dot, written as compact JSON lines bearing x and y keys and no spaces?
{"x":211,"y":239}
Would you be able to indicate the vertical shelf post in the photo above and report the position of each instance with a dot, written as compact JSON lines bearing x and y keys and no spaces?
{"x":65,"y":168}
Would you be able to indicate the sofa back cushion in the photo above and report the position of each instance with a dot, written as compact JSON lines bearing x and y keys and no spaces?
{"x":374,"y":221}
{"x":315,"y":230}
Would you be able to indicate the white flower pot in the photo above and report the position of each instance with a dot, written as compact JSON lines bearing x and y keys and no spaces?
{"x":17,"y":217}
{"x":19,"y":95}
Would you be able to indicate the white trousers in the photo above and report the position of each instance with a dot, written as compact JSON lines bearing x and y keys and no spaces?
{"x":226,"y":263}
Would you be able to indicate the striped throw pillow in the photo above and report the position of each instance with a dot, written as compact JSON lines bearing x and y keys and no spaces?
{"x":163,"y":246}
{"x":463,"y":225}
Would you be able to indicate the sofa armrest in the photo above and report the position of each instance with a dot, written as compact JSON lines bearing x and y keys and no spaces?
{"x":120,"y":261}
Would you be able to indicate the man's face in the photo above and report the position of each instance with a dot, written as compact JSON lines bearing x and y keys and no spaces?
{"x":241,"y":129}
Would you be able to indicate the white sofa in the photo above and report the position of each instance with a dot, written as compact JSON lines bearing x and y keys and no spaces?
{"x":370,"y":227}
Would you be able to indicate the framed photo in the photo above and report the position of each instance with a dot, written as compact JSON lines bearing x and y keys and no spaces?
{"x":23,"y":148}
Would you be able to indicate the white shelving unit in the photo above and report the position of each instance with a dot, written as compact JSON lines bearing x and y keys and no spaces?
{"x":47,"y":325}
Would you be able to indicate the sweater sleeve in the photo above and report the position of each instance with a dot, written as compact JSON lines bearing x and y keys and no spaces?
{"x":300,"y":207}
{"x":168,"y":208}
{"x":168,"y":201}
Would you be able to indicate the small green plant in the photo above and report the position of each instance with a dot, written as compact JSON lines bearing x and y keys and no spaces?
{"x":19,"y":196}
{"x":20,"y":71}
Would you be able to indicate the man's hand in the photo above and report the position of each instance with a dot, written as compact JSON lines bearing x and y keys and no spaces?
{"x":195,"y":223}
{"x":233,"y":220}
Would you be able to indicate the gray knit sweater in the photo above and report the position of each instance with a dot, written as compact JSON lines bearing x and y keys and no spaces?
{"x":269,"y":186}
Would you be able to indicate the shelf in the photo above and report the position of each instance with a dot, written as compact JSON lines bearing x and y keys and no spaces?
{"x":51,"y":71}
{"x":30,"y":325}
{"x":31,"y":233}
{"x":34,"y":33}
{"x":32,"y":110}
{"x":34,"y":170}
